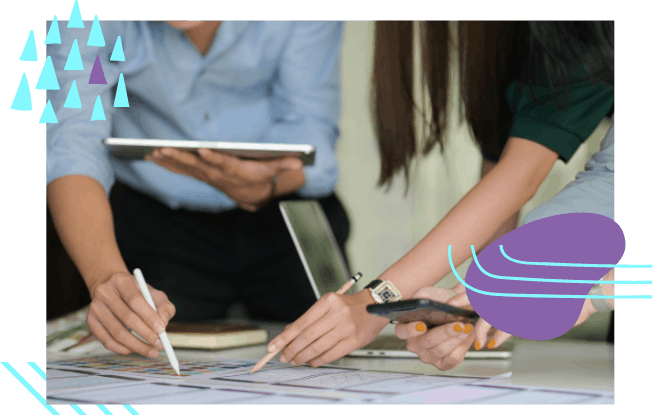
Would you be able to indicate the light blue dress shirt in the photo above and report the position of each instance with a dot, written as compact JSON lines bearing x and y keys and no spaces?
{"x":269,"y":82}
{"x":591,"y":192}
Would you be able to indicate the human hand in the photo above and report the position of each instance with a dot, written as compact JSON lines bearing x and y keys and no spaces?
{"x":333,"y":327}
{"x":445,"y":346}
{"x":248,"y":182}
{"x":118,"y":302}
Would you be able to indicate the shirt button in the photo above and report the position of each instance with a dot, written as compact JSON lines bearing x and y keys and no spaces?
{"x":206,"y":116}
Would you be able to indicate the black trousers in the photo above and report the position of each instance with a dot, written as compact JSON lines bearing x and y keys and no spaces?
{"x":205,"y":262}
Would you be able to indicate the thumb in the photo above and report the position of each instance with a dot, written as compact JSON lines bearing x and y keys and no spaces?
{"x":289,"y":163}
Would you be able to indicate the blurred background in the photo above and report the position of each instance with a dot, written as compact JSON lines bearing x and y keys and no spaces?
{"x":385,"y":223}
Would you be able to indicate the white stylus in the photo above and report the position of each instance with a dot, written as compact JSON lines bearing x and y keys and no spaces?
{"x":163,"y":336}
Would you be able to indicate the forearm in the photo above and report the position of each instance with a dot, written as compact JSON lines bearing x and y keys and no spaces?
{"x":507,"y":226}
{"x":82,"y":216}
{"x":476,"y":218}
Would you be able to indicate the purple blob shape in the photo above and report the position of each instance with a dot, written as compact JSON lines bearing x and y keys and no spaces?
{"x":585,"y":238}
{"x":97,"y":74}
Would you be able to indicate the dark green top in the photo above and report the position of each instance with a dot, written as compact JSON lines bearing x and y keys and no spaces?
{"x":564,"y":129}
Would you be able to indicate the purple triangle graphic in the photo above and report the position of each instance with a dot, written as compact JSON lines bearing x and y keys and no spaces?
{"x":97,"y":74}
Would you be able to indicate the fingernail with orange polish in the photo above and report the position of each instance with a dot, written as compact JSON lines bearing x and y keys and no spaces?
{"x":476,"y":345}
{"x":421,"y":327}
{"x":468,"y":328}
{"x":491,"y":344}
{"x":457,"y":328}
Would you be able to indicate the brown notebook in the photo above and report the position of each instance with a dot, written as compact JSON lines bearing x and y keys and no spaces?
{"x":214,"y":336}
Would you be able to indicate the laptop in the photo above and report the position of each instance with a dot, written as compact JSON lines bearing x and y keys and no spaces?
{"x":327,"y":271}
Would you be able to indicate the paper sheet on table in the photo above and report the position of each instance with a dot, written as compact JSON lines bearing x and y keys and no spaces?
{"x":134,"y":381}
{"x":492,"y":393}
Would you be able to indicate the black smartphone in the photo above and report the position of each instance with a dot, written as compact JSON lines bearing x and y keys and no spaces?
{"x":430,"y":312}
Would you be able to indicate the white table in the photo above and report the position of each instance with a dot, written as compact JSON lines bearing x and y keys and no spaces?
{"x":554,"y":363}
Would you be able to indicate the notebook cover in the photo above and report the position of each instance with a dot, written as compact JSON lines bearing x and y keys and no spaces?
{"x":202,"y":328}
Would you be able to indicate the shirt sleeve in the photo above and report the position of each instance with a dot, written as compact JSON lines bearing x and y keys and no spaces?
{"x":564,"y":129}
{"x":306,"y":103}
{"x":591,"y":192}
{"x":74,"y":143}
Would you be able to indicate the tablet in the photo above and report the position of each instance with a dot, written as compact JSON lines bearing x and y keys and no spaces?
{"x":138,"y":148}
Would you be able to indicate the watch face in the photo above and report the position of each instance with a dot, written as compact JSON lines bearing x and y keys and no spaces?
{"x":386,"y":293}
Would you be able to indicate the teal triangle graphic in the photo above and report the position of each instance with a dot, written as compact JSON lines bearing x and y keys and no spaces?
{"x":121,"y":94}
{"x":75,"y":20}
{"x":74,"y":61}
{"x":53,"y":37}
{"x":118,"y":54}
{"x":48,"y":78}
{"x":98,"y":111}
{"x":29,"y":51}
{"x":96,"y":38}
{"x":48,"y":115}
{"x":23,"y":98}
{"x":72,"y":100}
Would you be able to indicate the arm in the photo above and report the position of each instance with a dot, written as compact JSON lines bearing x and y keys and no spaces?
{"x":305,"y":107}
{"x":511,"y":223}
{"x":79,"y":177}
{"x":306,"y":101}
{"x":477,"y":217}
{"x":592,"y":192}
{"x":336,"y":325}
{"x":82,"y":216}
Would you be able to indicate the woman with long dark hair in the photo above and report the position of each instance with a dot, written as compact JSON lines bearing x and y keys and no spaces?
{"x":531,"y":92}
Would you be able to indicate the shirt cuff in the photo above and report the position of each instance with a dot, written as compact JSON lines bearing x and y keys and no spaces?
{"x":322,"y":177}
{"x":69,"y":165}
{"x":551,"y":136}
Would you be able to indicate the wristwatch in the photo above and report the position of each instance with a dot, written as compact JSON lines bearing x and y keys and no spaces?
{"x":384,"y":291}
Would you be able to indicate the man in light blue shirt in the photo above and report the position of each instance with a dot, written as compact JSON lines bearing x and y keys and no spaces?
{"x":202,"y":228}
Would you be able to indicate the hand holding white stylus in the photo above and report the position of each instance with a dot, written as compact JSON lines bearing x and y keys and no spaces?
{"x":163,"y":336}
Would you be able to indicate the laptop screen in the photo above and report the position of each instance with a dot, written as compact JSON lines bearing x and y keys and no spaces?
{"x":317,"y":247}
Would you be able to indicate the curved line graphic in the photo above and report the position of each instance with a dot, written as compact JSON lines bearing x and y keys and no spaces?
{"x":494,"y":294}
{"x":563,"y":264}
{"x":501,"y":277}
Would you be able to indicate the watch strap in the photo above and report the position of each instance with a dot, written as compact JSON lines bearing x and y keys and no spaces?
{"x":372,"y":285}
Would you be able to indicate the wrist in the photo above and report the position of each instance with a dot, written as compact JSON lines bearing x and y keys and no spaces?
{"x":365,"y":297}
{"x":93,"y":282}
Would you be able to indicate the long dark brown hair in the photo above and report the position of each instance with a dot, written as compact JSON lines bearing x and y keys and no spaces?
{"x":490,"y":56}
